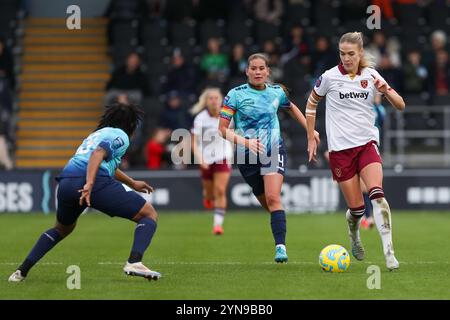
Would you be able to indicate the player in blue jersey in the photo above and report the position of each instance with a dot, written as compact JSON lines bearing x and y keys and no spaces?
{"x":261,"y":156}
{"x":91,"y":178}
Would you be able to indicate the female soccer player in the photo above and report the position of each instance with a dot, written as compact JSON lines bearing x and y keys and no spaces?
{"x":91,"y":178}
{"x":213,"y":153}
{"x":261,"y":156}
{"x":353,"y":137}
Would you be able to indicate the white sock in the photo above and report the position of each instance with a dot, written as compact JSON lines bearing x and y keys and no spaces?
{"x":219,"y":216}
{"x":281,"y":245}
{"x":382,"y":217}
{"x":353,"y":225}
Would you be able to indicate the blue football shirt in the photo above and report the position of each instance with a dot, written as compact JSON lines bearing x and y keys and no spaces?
{"x":255,"y":112}
{"x":113,"y":140}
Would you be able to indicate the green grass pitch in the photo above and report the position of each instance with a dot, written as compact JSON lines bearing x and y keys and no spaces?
{"x":238,"y":265}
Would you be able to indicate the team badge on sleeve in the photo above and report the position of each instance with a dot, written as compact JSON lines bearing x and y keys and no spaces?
{"x":117,"y":143}
{"x":318,"y":82}
{"x":364,"y":83}
{"x":226,"y":99}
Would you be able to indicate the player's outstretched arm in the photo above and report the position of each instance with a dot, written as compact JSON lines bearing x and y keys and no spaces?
{"x":97,"y":156}
{"x":297,"y":115}
{"x":140,"y":186}
{"x":391,"y":95}
{"x":229,"y":134}
{"x":311,"y":107}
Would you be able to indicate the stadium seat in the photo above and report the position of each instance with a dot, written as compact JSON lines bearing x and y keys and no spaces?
{"x":439,"y":15}
{"x":410,"y":15}
{"x":152,"y":32}
{"x":326,"y":16}
{"x":266,"y":31}
{"x":414,"y":100}
{"x":239,"y":31}
{"x":442,"y":100}
{"x":211,"y":29}
{"x":156,"y":52}
{"x":182,"y":33}
{"x":299,"y":14}
{"x":125,"y":32}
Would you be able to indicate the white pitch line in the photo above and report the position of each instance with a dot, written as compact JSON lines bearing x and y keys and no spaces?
{"x":40,"y":263}
{"x":232,"y":263}
{"x":263,"y":262}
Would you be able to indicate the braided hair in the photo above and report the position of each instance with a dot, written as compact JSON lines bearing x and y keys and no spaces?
{"x":122,"y":116}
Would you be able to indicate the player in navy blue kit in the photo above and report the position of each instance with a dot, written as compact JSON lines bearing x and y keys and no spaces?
{"x":91,"y":178}
{"x":253,"y":107}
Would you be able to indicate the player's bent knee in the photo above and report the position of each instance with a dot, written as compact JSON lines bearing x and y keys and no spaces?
{"x":147,"y":211}
{"x":64,"y":230}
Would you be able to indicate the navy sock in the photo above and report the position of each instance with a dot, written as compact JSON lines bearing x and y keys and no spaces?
{"x":143,"y":235}
{"x":44,"y":244}
{"x":278,"y":224}
{"x":368,"y":205}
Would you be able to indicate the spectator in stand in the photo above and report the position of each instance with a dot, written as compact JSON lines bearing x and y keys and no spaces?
{"x":182,"y":77}
{"x":5,"y":160}
{"x":271,"y":50}
{"x":214,"y":63}
{"x":381,"y":47}
{"x":174,"y":115}
{"x":440,"y":74}
{"x":414,"y":74}
{"x":238,"y":62}
{"x":7,"y":79}
{"x":269,"y":11}
{"x":7,"y":64}
{"x":156,"y":148}
{"x":129,"y":80}
{"x":323,"y":58}
{"x":7,"y":86}
{"x":296,"y":46}
{"x":438,"y":41}
{"x":390,"y":73}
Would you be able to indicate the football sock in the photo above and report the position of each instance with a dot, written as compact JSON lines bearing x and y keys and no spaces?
{"x":219,"y":215}
{"x":354,"y":216}
{"x":278,"y":224}
{"x":382,"y":217}
{"x":44,"y":244}
{"x":143,"y":235}
{"x":368,"y":205}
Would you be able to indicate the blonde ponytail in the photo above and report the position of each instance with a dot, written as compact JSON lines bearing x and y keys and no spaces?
{"x":201,"y":103}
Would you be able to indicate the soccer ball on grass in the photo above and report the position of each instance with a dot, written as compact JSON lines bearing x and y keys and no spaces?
{"x":334,"y":258}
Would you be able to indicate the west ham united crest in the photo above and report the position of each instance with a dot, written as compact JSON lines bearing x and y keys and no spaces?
{"x":364,"y":84}
{"x":318,"y":82}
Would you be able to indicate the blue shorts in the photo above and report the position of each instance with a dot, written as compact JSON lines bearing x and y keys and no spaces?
{"x":108,"y":195}
{"x":253,"y":173}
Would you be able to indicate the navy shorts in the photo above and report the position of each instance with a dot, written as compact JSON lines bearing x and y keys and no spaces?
{"x":253,"y":173}
{"x":108,"y":195}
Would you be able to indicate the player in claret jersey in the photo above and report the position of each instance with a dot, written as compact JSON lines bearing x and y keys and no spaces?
{"x":353,"y":137}
{"x":261,"y":156}
{"x":213,"y":153}
{"x":91,"y":179}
